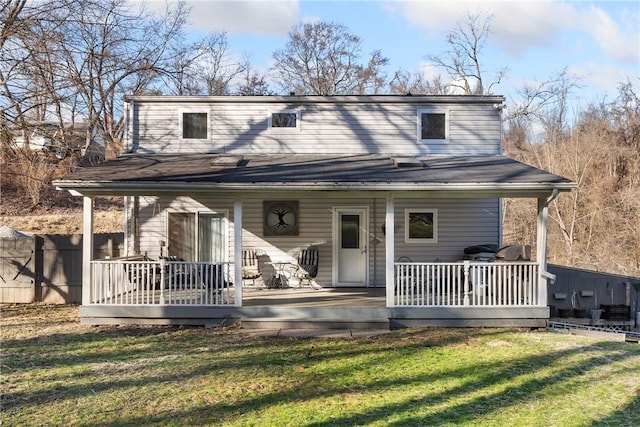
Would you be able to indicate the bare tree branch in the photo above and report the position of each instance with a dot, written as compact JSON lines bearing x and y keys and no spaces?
{"x":323,"y":59}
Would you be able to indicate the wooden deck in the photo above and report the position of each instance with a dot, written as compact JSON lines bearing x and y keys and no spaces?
{"x":305,"y":308}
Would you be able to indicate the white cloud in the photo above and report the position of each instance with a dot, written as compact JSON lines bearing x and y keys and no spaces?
{"x":518,"y":26}
{"x":244,"y":16}
{"x":618,"y":42}
{"x":515,"y":25}
{"x":604,"y":78}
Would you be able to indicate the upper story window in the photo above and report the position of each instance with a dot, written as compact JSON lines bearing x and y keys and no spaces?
{"x":194,"y":124}
{"x":433,"y":125}
{"x":286,"y":119}
{"x":421,"y":226}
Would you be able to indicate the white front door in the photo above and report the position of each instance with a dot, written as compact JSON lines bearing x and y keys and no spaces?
{"x":350,"y":246}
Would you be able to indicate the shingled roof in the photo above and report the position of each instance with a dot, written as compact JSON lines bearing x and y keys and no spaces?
{"x":310,"y":172}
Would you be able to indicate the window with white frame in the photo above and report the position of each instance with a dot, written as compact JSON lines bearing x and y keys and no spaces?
{"x":433,"y":124}
{"x":421,"y":225}
{"x":285,"y":119}
{"x":194,"y":124}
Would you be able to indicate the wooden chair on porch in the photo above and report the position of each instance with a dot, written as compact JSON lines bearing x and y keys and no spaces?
{"x":308,"y":267}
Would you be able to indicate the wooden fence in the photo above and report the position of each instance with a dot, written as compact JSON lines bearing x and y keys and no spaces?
{"x":48,"y":268}
{"x":578,"y":288}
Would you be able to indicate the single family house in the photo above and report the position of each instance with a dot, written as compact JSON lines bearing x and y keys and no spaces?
{"x":233,"y":198}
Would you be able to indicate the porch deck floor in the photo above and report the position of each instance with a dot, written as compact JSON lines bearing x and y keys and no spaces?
{"x":307,"y":297}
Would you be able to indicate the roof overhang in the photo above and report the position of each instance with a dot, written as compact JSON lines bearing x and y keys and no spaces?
{"x":473,"y":176}
{"x":318,"y":99}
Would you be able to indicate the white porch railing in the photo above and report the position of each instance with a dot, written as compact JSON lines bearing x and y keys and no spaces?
{"x":467,"y":283}
{"x":161,"y":282}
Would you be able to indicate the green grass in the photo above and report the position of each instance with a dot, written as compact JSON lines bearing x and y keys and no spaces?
{"x":57,"y":372}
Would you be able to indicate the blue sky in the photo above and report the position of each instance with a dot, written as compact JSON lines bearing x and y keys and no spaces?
{"x":597,"y":40}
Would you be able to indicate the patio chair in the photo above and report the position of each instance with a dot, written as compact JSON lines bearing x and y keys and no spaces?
{"x":250,"y":266}
{"x":307,"y":267}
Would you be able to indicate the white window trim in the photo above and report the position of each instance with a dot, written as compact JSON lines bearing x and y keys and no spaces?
{"x":283,"y":129}
{"x":180,"y":129}
{"x":433,"y":110}
{"x":407,"y":239}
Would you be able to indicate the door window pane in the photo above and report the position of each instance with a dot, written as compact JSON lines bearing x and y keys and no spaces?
{"x":182,"y":238}
{"x":350,"y":231}
{"x":212,"y":237}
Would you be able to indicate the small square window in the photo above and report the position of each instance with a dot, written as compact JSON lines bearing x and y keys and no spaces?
{"x":421,"y":226}
{"x":284,"y":120}
{"x":432,"y":125}
{"x":195,"y":125}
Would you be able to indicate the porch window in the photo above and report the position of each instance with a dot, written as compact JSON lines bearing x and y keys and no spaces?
{"x":433,"y":125}
{"x":421,"y":226}
{"x":194,"y":125}
{"x":208,"y":244}
{"x":350,"y":231}
{"x":286,"y":119}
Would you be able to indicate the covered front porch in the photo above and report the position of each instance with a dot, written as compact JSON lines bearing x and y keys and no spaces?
{"x":420,"y":273}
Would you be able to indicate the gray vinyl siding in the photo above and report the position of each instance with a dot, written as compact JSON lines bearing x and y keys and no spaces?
{"x":461,"y":223}
{"x":325,"y":128}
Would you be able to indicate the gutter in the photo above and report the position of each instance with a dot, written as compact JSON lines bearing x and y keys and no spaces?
{"x":258,"y":186}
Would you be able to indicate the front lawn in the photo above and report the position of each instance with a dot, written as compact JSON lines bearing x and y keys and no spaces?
{"x":57,"y":372}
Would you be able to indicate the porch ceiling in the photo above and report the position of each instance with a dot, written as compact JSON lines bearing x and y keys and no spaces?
{"x":139,"y":174}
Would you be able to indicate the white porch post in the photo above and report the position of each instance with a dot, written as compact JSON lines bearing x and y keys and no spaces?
{"x":389,"y":250}
{"x":541,"y":249}
{"x":87,"y":248}
{"x":237,"y":251}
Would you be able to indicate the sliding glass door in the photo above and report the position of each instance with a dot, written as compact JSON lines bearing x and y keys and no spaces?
{"x":208,"y":244}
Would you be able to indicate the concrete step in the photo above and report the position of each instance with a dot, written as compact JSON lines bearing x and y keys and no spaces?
{"x":316,"y":323}
{"x":310,"y":312}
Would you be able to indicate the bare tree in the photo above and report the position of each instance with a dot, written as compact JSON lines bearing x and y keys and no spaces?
{"x":597,"y":225}
{"x":415,"y":83}
{"x":462,"y":61}
{"x":545,"y":103}
{"x":253,"y":83}
{"x":204,"y":67}
{"x":323,"y":58}
{"x":71,"y":59}
{"x":109,"y":52}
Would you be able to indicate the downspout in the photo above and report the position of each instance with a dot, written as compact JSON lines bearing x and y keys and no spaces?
{"x":552,"y":197}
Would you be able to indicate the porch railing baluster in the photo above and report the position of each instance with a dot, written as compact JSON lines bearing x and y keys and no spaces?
{"x":125,"y":282}
{"x":466,"y":283}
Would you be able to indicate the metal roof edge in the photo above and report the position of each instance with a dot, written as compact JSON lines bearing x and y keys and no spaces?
{"x":257,"y":186}
{"x":318,"y":99}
